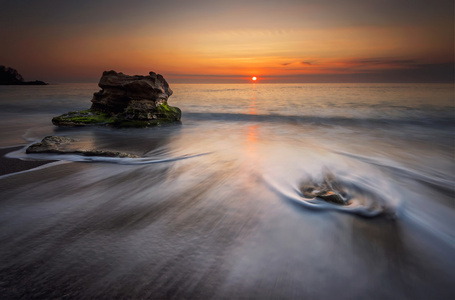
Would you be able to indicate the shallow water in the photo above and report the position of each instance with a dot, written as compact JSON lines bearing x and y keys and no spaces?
{"x":215,"y":209}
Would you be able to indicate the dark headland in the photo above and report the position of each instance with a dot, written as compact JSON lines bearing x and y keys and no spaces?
{"x":10,"y":76}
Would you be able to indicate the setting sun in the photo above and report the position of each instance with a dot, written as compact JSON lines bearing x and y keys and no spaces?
{"x":254,"y":78}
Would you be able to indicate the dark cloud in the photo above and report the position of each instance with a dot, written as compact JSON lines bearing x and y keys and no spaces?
{"x":306,"y":63}
{"x":381,"y":61}
{"x":204,"y":75}
{"x":417,"y":73}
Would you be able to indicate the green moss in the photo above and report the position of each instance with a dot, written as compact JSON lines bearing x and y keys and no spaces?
{"x":169,"y":112}
{"x":82,"y":112}
{"x":85,"y":117}
{"x":162,"y":115}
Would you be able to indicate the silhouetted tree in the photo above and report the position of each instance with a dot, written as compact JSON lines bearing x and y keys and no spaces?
{"x":10,"y":75}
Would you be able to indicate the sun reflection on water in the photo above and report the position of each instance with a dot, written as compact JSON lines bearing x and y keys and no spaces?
{"x":252,"y":129}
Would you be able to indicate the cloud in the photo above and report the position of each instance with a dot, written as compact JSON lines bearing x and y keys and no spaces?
{"x":307,"y":63}
{"x":415,"y":73}
{"x":381,"y":61}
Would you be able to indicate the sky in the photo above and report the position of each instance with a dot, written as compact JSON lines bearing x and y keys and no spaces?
{"x":229,"y":41}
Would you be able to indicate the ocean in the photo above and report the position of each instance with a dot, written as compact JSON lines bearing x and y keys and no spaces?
{"x":217,"y":207}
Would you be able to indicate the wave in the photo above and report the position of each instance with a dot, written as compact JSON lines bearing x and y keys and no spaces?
{"x":220,"y":90}
{"x":20,"y":154}
{"x":437,"y":122}
{"x":438,"y":181}
{"x":362,"y":199}
{"x":116,"y":160}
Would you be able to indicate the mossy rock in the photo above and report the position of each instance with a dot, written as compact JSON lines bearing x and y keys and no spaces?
{"x":169,"y":112}
{"x":162,"y":114}
{"x":84,"y":118}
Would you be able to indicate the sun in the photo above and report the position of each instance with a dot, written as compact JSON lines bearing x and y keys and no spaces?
{"x":254,"y":78}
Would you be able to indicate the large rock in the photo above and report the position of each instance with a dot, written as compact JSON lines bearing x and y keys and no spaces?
{"x":124,"y":100}
{"x":120,"y":91}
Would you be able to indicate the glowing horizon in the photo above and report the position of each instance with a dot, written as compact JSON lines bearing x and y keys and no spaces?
{"x":203,"y":41}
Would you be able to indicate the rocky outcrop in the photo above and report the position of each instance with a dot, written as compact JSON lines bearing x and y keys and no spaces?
{"x":126,"y":101}
{"x":120,"y":91}
{"x":64,"y":145}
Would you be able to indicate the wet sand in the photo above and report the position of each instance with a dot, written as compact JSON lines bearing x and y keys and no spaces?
{"x":190,"y":230}
{"x":196,"y":226}
{"x":12,"y":165}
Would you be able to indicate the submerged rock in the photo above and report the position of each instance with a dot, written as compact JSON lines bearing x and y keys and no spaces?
{"x":327,"y":190}
{"x":126,"y":101}
{"x":64,"y":145}
{"x":324,"y":194}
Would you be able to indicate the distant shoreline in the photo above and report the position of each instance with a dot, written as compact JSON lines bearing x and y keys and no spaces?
{"x":10,"y":76}
{"x":36,"y":82}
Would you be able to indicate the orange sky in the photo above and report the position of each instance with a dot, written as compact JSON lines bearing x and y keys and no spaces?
{"x":210,"y":41}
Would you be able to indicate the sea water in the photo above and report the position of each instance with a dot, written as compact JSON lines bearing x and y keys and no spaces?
{"x":215,"y":207}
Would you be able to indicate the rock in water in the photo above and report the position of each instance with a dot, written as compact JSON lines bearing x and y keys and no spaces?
{"x":126,"y":101}
{"x":64,"y":145}
{"x":328,"y":190}
{"x":50,"y":144}
{"x":120,"y":91}
{"x":326,"y":195}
